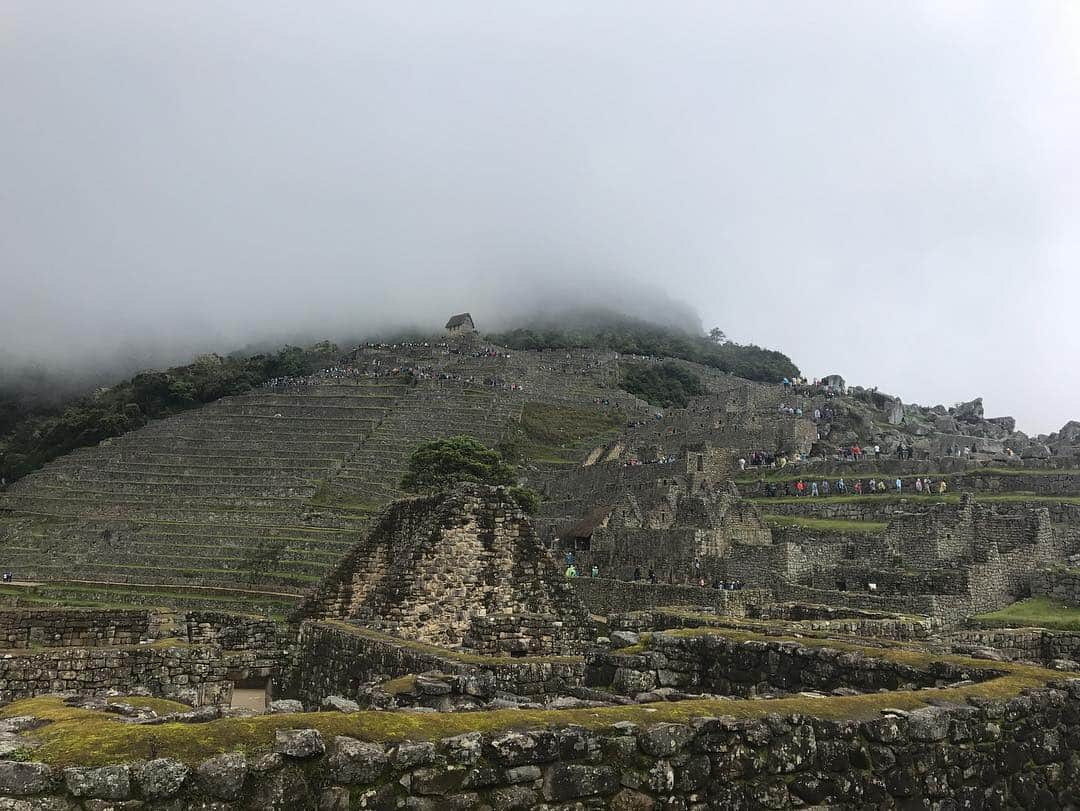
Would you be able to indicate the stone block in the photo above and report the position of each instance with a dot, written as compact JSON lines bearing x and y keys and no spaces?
{"x":104,"y":783}
{"x":299,"y":743}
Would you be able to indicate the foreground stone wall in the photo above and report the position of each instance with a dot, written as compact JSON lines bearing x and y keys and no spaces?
{"x":196,"y":675}
{"x":73,"y":627}
{"x":336,"y":660}
{"x":1018,"y":753}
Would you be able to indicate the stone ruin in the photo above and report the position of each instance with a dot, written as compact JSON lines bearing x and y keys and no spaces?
{"x":457,"y":603}
{"x":458,"y":569}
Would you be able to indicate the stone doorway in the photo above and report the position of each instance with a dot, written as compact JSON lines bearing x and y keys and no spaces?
{"x":251,"y":693}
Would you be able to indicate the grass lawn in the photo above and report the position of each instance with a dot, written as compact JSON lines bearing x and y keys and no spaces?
{"x":555,"y":434}
{"x":1040,"y":612}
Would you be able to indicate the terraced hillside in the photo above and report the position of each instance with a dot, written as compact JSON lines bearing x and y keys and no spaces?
{"x":212,"y":500}
{"x":252,"y":499}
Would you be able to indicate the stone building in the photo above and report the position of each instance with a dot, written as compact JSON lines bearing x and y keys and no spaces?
{"x":460,"y":324}
{"x":457,"y":569}
{"x":678,"y":518}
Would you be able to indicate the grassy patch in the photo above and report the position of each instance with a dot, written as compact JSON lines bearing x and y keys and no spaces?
{"x":1040,"y":612}
{"x":555,"y":434}
{"x":825,"y":524}
{"x":402,"y":684}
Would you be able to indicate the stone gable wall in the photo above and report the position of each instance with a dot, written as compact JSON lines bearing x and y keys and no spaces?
{"x":432,"y":564}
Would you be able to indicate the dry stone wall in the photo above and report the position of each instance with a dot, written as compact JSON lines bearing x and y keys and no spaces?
{"x":1027,"y":644}
{"x":712,"y":663}
{"x":604,"y":596}
{"x":73,"y":627}
{"x":337,"y":660}
{"x":196,"y":675}
{"x":1015,"y":753}
{"x":1059,"y":584}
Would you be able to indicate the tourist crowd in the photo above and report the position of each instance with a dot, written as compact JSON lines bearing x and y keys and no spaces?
{"x":919,"y":485}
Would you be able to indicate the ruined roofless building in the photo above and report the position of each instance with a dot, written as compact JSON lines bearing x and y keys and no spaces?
{"x":461,"y":324}
{"x":457,"y":569}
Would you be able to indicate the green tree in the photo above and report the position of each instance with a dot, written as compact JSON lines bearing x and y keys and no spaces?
{"x":445,"y":462}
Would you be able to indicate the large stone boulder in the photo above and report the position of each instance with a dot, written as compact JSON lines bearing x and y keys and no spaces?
{"x":21,"y":779}
{"x":339,"y":704}
{"x":355,"y":762}
{"x":971,"y":411}
{"x":569,"y":781}
{"x":1008,"y":424}
{"x":161,"y":778}
{"x":105,"y":783}
{"x":894,"y":411}
{"x":299,"y":743}
{"x":222,"y":777}
{"x":285,"y":705}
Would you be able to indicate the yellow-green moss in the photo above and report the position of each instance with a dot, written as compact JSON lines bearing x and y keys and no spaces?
{"x":77,"y":736}
{"x":402,"y":684}
{"x":162,"y":706}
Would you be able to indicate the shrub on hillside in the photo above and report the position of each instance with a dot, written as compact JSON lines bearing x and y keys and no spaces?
{"x":635,"y":337}
{"x":38,"y":435}
{"x":665,"y":385}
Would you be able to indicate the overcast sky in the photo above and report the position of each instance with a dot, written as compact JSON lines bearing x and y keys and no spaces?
{"x":890,"y":191}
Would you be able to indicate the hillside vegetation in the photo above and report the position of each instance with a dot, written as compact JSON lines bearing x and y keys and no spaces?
{"x":665,"y":385}
{"x":634,"y":337}
{"x":38,"y":435}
